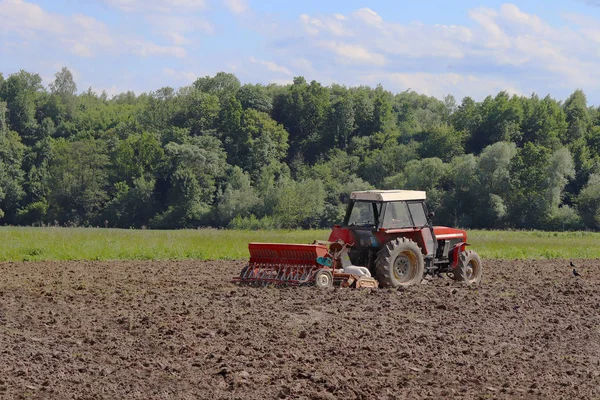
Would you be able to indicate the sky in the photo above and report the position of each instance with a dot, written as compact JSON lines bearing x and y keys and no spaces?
{"x":435,"y":47}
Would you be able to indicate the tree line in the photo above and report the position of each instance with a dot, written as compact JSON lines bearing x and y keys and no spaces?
{"x":219,"y":153}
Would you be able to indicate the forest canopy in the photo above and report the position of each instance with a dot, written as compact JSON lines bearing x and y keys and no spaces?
{"x":222,"y":154}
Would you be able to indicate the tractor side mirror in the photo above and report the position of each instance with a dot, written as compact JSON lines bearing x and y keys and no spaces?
{"x":430,"y":215}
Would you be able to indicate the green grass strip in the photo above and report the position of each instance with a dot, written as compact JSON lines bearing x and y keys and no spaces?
{"x":40,"y":244}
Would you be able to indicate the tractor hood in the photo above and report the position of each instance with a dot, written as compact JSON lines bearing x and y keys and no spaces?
{"x":441,"y":233}
{"x":445,"y":233}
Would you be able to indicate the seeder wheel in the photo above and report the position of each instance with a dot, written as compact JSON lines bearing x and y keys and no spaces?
{"x":323,"y":279}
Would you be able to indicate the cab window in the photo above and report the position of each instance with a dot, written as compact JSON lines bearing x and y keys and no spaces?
{"x":396,"y":215}
{"x":363,"y":213}
{"x":418,"y":214}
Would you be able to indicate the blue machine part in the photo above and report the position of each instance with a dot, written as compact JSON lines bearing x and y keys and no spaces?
{"x":325,"y":261}
{"x":374,"y":242}
{"x":366,"y":238}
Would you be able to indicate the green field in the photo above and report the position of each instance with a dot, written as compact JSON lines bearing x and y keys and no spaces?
{"x":37,"y":244}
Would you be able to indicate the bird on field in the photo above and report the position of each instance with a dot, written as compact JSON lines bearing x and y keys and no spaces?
{"x":575,"y":272}
{"x":572,"y":265}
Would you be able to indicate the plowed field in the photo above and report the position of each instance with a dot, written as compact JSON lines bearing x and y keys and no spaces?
{"x":181,"y":330}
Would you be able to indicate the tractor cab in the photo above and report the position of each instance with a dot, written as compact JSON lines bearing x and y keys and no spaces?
{"x":392,"y":211}
{"x":373,"y":216}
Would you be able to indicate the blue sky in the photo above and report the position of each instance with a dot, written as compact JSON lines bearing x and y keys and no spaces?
{"x":472,"y":48}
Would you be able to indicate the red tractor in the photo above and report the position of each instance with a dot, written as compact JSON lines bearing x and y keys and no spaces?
{"x":387,"y":239}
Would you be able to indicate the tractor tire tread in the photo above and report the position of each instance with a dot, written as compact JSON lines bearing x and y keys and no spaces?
{"x":386,"y":257}
{"x":463,"y":259}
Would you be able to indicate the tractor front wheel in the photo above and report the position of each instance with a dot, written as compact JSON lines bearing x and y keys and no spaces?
{"x":469,"y":268}
{"x":399,"y":263}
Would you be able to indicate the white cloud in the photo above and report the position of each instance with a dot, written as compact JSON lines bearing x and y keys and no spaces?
{"x":311,"y":25}
{"x":302,"y":64}
{"x":177,"y":39}
{"x":368,"y":37}
{"x":236,"y":6}
{"x":184,"y":76}
{"x":441,"y":84}
{"x":25,"y":18}
{"x":80,"y":35}
{"x":512,"y":13}
{"x":369,"y":17}
{"x":231,"y":67}
{"x":145,"y":48}
{"x":417,"y":40}
{"x":495,"y":37}
{"x":333,"y":25}
{"x":271,"y":66}
{"x":178,"y":28}
{"x":351,"y":53}
{"x":502,"y":48}
{"x":157,"y":5}
{"x":91,"y":32}
{"x":173,"y":19}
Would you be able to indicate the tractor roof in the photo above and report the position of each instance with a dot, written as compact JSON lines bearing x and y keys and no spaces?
{"x":388,"y":195}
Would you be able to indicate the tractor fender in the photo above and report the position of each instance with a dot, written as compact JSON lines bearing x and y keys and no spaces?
{"x":455,"y":251}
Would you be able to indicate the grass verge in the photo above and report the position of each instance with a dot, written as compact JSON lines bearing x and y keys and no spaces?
{"x":39,"y":244}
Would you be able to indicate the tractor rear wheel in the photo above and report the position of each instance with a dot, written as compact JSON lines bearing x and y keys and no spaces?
{"x":399,"y":263}
{"x":469,"y":268}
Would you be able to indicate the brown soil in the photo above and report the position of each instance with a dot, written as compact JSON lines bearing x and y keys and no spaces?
{"x":181,"y":330}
